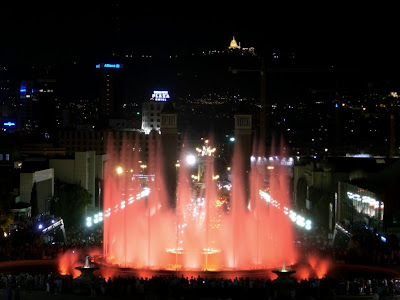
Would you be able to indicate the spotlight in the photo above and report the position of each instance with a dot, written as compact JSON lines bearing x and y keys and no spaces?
{"x":190,"y":159}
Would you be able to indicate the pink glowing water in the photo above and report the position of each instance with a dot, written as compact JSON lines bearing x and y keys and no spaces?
{"x":202,"y":232}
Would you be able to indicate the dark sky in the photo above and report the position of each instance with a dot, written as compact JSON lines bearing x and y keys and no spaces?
{"x":49,"y":31}
{"x":364,"y":37}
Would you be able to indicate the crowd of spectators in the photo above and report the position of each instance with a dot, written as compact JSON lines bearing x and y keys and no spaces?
{"x":26,"y":242}
{"x":173,"y":287}
{"x":364,"y":247}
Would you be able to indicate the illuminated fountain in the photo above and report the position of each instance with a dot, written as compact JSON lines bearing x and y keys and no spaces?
{"x":84,"y":282}
{"x":283,"y":272}
{"x":284,"y":285}
{"x":249,"y":230}
{"x":87,"y":269}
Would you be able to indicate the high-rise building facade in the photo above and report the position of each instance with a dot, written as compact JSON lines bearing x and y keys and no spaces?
{"x":109,"y":90}
{"x":39,"y":107}
{"x":151,"y":111}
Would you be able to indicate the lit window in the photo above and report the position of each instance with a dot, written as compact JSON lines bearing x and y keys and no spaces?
{"x":7,"y":157}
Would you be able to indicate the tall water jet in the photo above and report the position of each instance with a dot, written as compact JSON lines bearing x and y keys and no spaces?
{"x":202,"y":230}
{"x":188,"y":245}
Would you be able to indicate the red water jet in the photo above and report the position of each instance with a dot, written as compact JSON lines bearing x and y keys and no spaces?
{"x":203,"y":231}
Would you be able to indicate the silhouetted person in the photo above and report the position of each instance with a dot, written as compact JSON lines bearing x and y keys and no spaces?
{"x":9,"y":291}
{"x":17,"y":293}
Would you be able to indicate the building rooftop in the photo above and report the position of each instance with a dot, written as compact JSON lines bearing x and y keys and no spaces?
{"x":349,"y":164}
{"x":168,"y":108}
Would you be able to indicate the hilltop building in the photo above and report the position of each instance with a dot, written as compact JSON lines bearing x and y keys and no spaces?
{"x":234,"y":44}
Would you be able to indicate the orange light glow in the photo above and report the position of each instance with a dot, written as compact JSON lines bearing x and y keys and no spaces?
{"x":67,"y":263}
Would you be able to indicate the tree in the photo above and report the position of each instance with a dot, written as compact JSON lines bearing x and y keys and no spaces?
{"x":6,"y":215}
{"x":34,"y":201}
{"x":71,"y":203}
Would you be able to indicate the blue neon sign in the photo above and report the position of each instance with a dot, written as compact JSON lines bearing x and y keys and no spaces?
{"x":23,"y":87}
{"x":115,"y":66}
{"x":9,"y":124}
{"x":112,"y":66}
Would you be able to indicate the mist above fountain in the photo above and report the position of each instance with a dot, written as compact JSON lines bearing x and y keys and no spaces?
{"x":203,"y":231}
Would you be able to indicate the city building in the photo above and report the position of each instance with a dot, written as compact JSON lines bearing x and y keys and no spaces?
{"x":336,"y":190}
{"x":170,"y":149}
{"x":9,"y":99}
{"x":151,"y":111}
{"x":78,"y":140}
{"x":109,"y":90}
{"x":235,"y":46}
{"x":39,"y":107}
{"x":44,"y":181}
{"x":85,"y":168}
{"x":32,"y":149}
{"x":357,"y":204}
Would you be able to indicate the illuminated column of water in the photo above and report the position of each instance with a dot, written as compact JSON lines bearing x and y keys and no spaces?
{"x":237,"y":206}
{"x":110,"y":189}
{"x":183,"y":196}
{"x":208,"y":202}
{"x":149,"y":226}
{"x":151,"y":205}
{"x":126,"y":159}
{"x":257,"y":176}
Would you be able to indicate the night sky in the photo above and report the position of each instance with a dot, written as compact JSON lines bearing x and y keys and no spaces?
{"x":362,"y":37}
{"x":47,"y":29}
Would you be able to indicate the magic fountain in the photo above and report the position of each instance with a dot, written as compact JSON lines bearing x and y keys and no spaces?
{"x":249,"y":229}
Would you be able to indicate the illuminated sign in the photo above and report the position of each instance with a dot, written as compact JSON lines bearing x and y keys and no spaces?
{"x":112,"y":66}
{"x":9,"y":124}
{"x":23,"y":87}
{"x":160,"y":96}
{"x":115,"y":66}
